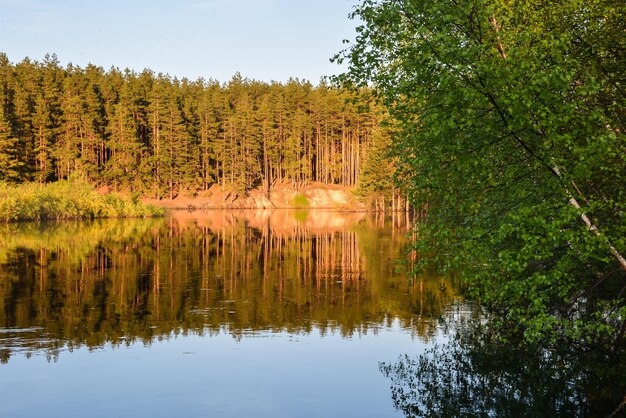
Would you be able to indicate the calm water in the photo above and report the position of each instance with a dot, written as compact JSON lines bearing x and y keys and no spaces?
{"x":248,"y":313}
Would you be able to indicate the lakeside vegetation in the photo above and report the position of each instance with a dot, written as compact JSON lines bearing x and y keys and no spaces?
{"x":65,"y":199}
{"x":510,"y":120}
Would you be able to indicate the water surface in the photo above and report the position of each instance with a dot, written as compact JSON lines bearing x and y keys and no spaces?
{"x":219,"y":313}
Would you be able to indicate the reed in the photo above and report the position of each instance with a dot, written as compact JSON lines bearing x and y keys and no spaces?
{"x":73,"y":199}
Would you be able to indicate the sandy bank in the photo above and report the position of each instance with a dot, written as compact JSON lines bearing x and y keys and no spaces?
{"x":316,"y":196}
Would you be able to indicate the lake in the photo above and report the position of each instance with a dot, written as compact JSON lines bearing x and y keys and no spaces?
{"x":210,"y":314}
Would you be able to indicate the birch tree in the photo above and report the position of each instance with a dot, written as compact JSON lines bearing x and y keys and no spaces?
{"x":511,"y":116}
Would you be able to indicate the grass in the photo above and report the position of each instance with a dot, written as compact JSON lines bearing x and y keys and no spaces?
{"x":74,"y":199}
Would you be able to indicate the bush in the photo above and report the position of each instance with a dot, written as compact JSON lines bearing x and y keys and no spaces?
{"x":74,"y":199}
{"x":300,"y":201}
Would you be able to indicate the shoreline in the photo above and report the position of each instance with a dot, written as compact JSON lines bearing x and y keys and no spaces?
{"x":282,"y":196}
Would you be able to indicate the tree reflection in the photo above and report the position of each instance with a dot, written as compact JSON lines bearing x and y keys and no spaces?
{"x":473,"y":376}
{"x":119,"y":281}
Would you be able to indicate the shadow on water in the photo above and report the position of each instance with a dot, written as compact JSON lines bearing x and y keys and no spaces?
{"x":473,"y":376}
{"x":68,"y":285}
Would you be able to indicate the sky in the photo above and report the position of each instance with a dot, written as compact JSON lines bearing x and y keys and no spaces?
{"x":266,"y":40}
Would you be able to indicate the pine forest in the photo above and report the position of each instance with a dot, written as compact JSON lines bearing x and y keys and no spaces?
{"x":159,"y":136}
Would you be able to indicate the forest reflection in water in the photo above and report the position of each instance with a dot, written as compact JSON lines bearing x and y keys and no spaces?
{"x":68,"y":285}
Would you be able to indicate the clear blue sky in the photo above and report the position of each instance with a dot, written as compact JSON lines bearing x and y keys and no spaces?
{"x":262,"y":39}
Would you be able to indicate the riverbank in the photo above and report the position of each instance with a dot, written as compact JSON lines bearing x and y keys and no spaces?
{"x":67,"y":200}
{"x":281,"y":196}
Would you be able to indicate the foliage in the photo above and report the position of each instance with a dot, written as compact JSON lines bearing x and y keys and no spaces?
{"x":67,"y":199}
{"x":300,"y":201}
{"x":9,"y":163}
{"x":511,"y":129}
{"x":376,"y":180}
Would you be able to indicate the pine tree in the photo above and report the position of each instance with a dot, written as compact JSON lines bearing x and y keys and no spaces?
{"x":376,"y":178}
{"x":209,"y":130}
{"x":9,"y":163}
{"x":122,"y":165}
{"x":49,"y":119}
{"x":266,"y":126}
{"x":26,"y":87}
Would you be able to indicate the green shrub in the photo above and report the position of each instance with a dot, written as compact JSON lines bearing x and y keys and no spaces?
{"x":300,"y":201}
{"x":74,"y":199}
